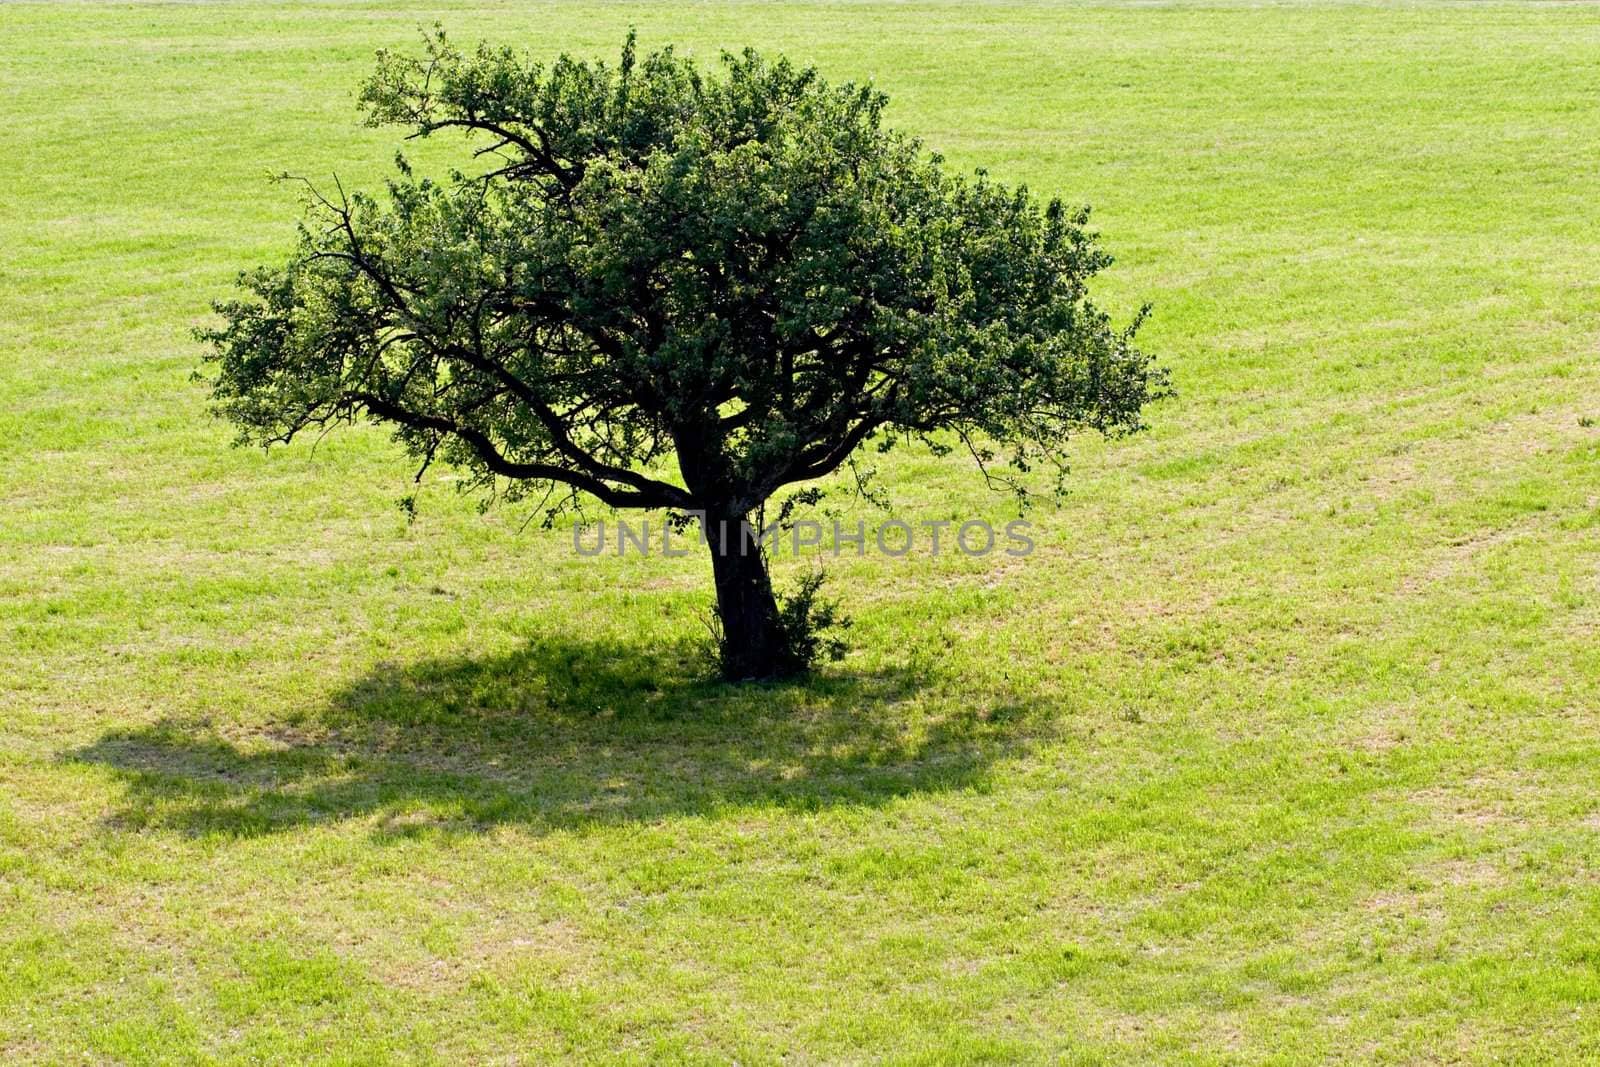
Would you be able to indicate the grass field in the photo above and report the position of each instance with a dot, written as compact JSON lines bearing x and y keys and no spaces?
{"x":1284,"y":746}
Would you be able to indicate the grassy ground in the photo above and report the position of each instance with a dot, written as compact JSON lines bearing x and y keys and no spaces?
{"x":1283,"y":746}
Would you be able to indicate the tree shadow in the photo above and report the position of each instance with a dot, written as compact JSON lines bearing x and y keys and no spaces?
{"x":559,"y":735}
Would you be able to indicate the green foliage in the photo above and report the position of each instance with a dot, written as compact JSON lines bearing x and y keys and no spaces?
{"x":811,"y":623}
{"x":747,"y":271}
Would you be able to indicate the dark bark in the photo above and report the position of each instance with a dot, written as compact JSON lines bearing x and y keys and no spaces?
{"x":753,"y":643}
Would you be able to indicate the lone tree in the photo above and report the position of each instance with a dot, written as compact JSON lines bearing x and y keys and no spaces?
{"x":746,"y":273}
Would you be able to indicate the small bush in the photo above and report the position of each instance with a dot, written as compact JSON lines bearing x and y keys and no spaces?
{"x":811,"y":624}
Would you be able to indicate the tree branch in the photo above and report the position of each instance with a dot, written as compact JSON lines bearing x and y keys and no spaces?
{"x":661,"y":495}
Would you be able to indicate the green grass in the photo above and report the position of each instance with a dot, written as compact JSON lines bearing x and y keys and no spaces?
{"x":1283,"y":746}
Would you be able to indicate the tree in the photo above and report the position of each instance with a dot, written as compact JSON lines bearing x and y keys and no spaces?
{"x":746,"y":273}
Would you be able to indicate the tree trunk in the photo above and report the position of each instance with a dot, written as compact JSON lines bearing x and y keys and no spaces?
{"x":753,"y":645}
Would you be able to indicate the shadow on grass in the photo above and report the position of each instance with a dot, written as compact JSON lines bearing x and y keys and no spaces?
{"x":557,"y":735}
